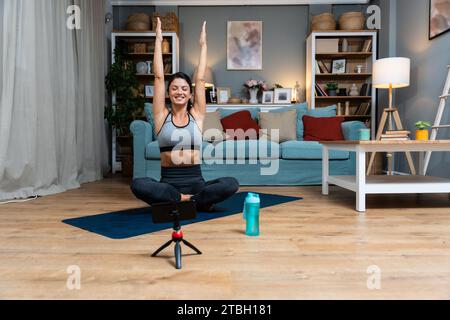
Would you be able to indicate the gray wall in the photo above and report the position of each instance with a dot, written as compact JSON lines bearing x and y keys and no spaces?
{"x":121,"y":14}
{"x":429,"y":60}
{"x":285,"y":29}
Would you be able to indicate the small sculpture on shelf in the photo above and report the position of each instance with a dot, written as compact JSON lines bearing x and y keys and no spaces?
{"x":354,"y":91}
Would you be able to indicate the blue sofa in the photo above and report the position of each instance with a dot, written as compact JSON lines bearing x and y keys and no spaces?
{"x":298,"y":162}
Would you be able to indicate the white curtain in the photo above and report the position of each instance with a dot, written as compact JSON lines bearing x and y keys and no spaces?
{"x":52,"y":135}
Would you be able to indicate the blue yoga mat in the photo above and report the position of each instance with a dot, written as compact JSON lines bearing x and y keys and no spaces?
{"x":135,"y":222}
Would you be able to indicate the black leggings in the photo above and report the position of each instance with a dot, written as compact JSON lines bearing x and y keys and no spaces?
{"x":184,"y":180}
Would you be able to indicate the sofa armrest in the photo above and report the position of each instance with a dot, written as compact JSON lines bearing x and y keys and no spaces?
{"x":350,"y":129}
{"x":142,"y":136}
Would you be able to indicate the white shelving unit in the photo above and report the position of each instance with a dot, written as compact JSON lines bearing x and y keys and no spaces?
{"x":135,"y":36}
{"x":354,"y":56}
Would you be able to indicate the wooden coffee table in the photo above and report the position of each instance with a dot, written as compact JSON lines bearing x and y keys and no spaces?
{"x":363,"y":185}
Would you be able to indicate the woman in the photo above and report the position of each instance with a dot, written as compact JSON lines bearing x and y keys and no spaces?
{"x":180,"y":138}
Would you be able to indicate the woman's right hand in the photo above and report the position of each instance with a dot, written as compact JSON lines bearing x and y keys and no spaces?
{"x":159,"y":36}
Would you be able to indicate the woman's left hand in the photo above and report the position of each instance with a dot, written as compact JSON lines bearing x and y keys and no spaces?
{"x":203,"y":35}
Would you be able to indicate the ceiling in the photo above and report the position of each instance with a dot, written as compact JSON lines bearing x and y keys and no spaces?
{"x":229,"y":2}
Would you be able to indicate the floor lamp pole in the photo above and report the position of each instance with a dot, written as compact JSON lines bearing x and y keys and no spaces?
{"x":389,"y":115}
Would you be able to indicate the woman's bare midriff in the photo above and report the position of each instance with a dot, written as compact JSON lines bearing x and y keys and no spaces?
{"x":180,"y":158}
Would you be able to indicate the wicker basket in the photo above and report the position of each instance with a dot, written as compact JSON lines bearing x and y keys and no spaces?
{"x":352,"y":21}
{"x":138,"y":22}
{"x":324,"y":21}
{"x":169,"y":22}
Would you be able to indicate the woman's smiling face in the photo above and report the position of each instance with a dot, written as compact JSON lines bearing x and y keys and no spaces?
{"x":179,"y":92}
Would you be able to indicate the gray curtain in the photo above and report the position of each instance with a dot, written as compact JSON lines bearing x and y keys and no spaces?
{"x":52,"y":135}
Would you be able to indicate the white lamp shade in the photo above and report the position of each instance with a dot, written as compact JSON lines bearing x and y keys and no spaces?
{"x":391,"y":71}
{"x":209,"y":77}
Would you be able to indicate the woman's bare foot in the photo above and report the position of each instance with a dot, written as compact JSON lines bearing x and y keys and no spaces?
{"x":186,"y":197}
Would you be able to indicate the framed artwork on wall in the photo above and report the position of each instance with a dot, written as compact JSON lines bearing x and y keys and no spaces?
{"x":439,"y":18}
{"x":244,"y":45}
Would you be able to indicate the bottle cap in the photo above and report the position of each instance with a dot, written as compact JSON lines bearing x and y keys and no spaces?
{"x":252,"y":198}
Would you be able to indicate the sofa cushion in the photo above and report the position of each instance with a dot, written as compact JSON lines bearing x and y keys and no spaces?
{"x":148,"y":108}
{"x":242,"y":149}
{"x":323,"y":129}
{"x":212,"y":127}
{"x":240,"y":125}
{"x":284,"y":122}
{"x":308,"y":150}
{"x":302,"y":110}
{"x":225,"y":112}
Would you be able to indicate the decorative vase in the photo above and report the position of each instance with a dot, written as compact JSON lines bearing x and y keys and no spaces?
{"x":165,"y":47}
{"x":344,"y":47}
{"x":253,"y":96}
{"x":422,"y":135}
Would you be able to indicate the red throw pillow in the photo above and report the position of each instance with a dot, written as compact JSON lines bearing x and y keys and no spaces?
{"x":237,"y":124}
{"x":322,"y":129}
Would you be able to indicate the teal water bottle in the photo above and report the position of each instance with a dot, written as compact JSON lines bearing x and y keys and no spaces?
{"x":247,"y":199}
{"x":251,"y":214}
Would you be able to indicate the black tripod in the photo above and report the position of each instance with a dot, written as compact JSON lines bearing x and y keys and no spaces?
{"x":177,"y":237}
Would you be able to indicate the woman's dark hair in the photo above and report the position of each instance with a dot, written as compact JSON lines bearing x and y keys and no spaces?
{"x":184,"y":76}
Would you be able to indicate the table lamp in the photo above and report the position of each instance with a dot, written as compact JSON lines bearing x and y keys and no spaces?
{"x":391,"y":73}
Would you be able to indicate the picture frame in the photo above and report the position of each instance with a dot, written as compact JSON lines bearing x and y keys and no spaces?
{"x":282,"y":95}
{"x":223,"y":95}
{"x":267,"y":97}
{"x":244,"y":45}
{"x":149,"y":91}
{"x":339,"y":66}
{"x":439,"y":12}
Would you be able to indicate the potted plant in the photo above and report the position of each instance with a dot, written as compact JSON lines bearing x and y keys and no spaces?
{"x":332,"y":88}
{"x":129,"y":103}
{"x":422,"y":130}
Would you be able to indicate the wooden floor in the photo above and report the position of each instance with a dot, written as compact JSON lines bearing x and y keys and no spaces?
{"x":319,"y":247}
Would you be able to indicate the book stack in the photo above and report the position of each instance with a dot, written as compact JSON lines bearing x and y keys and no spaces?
{"x":396,"y":135}
{"x":367,"y":46}
{"x":363,"y":109}
{"x":321,"y":67}
{"x":320,"y":91}
{"x":366,"y":90}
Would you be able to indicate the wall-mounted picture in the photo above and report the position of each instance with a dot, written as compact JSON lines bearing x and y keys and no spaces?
{"x":149,"y":91}
{"x":223,"y":95}
{"x":339,"y":66}
{"x":267,"y":97}
{"x":283,"y":95}
{"x":439,"y":17}
{"x":244,"y":45}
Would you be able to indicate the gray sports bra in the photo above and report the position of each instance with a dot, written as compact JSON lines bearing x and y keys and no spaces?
{"x":171,"y":136}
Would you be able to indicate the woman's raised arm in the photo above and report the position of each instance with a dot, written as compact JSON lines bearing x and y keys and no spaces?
{"x":159,"y":97}
{"x":199,"y":98}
